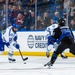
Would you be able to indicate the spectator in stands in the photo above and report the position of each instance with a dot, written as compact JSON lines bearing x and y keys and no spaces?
{"x":4,"y":9}
{"x":40,"y":23}
{"x":3,"y":23}
{"x":10,"y":7}
{"x":13,"y":14}
{"x":65,"y":3}
{"x":72,"y":7}
{"x":57,"y":16}
{"x":61,"y":3}
{"x":19,"y":3}
{"x":27,"y":22}
{"x":47,"y":19}
{"x":9,"y":13}
{"x":21,"y":10}
{"x":72,"y":24}
{"x":73,"y":14}
{"x":31,"y":2}
{"x":70,"y":17}
{"x":2,"y":1}
{"x":32,"y":21}
{"x":12,"y":1}
{"x":20,"y":21}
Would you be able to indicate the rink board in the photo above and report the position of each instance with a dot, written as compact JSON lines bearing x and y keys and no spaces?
{"x":36,"y":54}
{"x":33,"y":43}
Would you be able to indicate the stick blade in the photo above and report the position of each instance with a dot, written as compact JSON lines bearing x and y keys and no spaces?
{"x":25,"y":59}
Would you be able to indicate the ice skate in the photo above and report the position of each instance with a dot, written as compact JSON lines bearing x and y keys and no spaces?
{"x":11,"y":60}
{"x":49,"y":64}
{"x":63,"y":56}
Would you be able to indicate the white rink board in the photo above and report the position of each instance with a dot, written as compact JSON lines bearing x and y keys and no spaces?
{"x":33,"y":41}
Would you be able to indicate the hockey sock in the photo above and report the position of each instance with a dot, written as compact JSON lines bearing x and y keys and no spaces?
{"x":54,"y":57}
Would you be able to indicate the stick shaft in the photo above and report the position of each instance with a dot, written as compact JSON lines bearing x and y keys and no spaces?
{"x":21,"y":54}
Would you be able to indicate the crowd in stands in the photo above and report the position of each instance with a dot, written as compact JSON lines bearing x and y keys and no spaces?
{"x":22,"y":12}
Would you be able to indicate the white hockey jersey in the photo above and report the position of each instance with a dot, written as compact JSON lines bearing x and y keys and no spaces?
{"x":49,"y":29}
{"x":9,"y":35}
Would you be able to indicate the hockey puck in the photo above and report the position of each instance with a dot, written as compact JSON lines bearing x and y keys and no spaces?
{"x":24,"y":62}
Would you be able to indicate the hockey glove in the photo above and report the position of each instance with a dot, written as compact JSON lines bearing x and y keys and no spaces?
{"x":50,"y":47}
{"x":55,"y":45}
{"x":16,"y":46}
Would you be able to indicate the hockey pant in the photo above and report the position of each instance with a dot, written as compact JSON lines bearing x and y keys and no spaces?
{"x":62,"y":46}
{"x":72,"y":49}
{"x":11,"y":51}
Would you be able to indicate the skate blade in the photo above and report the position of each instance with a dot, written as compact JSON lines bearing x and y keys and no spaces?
{"x":12,"y":61}
{"x":48,"y":67}
{"x":45,"y":65}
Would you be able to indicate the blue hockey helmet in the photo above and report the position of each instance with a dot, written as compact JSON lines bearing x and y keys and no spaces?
{"x":15,"y":25}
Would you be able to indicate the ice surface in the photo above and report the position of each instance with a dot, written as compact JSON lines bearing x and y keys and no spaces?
{"x":34,"y":66}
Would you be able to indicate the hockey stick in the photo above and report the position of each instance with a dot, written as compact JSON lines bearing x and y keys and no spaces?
{"x":22,"y":56}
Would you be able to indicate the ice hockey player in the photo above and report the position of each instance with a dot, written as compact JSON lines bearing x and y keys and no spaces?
{"x":1,"y":44}
{"x":63,"y":37}
{"x":9,"y":37}
{"x":49,"y":31}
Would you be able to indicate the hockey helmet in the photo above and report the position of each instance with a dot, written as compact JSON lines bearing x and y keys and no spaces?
{"x":61,"y":22}
{"x":15,"y":26}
